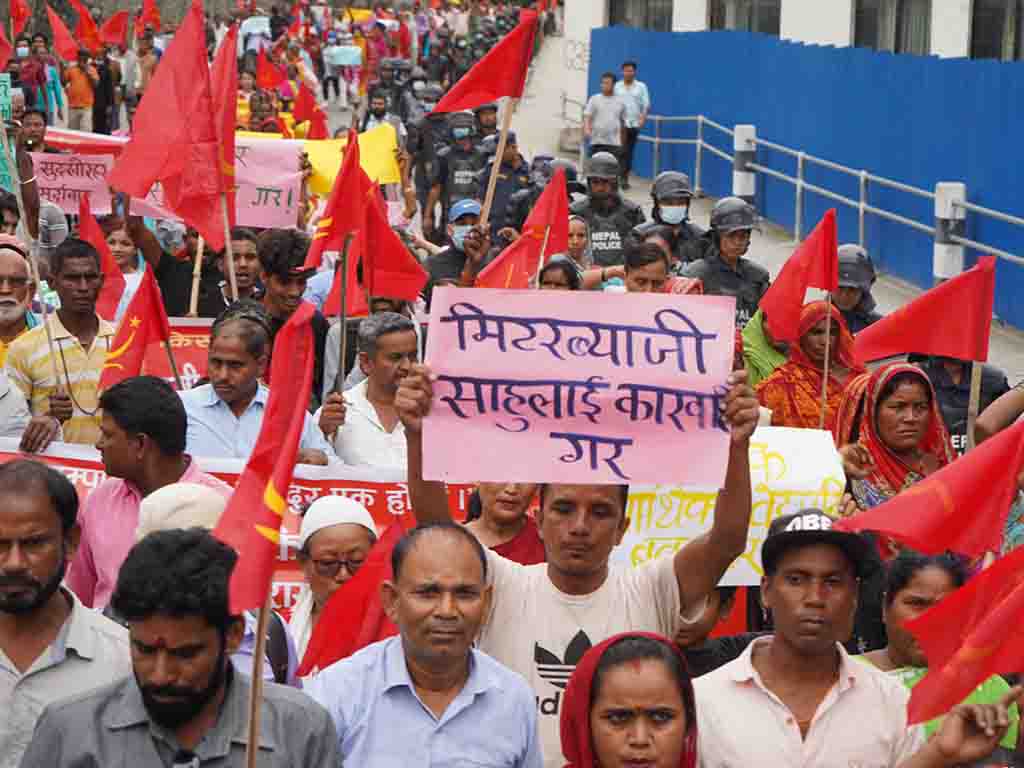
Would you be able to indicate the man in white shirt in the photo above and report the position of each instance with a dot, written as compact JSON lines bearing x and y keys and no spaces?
{"x":363,"y":423}
{"x":51,"y":646}
{"x":545,"y":617}
{"x":634,"y":96}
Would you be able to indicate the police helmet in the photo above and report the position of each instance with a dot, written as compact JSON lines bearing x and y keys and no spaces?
{"x":462,"y":125}
{"x":491,"y":105}
{"x":432,"y":92}
{"x":603,"y":165}
{"x":569,"y":167}
{"x":731,"y":214}
{"x":671,"y":184}
{"x":389,"y":64}
{"x":856,"y":270}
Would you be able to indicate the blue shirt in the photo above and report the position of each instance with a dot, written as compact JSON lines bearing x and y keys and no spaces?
{"x":318,"y":288}
{"x":382,"y":723}
{"x":214,"y":430}
{"x":636,"y":98}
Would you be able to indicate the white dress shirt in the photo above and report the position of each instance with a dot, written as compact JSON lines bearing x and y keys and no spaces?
{"x":362,"y":439}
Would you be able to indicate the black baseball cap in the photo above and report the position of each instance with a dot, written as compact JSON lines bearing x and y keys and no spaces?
{"x":812,"y":526}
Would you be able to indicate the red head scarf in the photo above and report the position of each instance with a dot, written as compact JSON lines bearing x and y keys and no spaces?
{"x":577,"y":744}
{"x":810,"y":316}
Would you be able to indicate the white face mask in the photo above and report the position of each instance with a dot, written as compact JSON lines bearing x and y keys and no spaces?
{"x":22,"y":52}
{"x":673,"y":214}
{"x":459,"y":233}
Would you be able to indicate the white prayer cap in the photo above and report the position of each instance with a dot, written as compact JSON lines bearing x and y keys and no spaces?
{"x":333,"y":510}
{"x":179,"y":505}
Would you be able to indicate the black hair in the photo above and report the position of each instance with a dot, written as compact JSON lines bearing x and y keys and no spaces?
{"x":474,"y":507}
{"x":243,"y":233}
{"x":25,"y":475}
{"x":34,"y":111}
{"x":147,"y":405}
{"x":111,"y":223}
{"x":253,"y":325}
{"x":902,"y":569}
{"x":281,"y":251}
{"x":905,"y":377}
{"x":73,"y":248}
{"x":8,"y":202}
{"x":641,"y":254}
{"x":42,"y":35}
{"x":636,"y":648}
{"x":408,"y":541}
{"x":623,"y":491}
{"x":725,"y":594}
{"x":629,"y":64}
{"x":176,"y":573}
{"x":612,"y":75}
{"x":567,"y":268}
{"x":378,"y":93}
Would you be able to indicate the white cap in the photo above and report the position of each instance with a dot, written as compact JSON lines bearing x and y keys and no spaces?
{"x":179,"y":505}
{"x":333,"y":510}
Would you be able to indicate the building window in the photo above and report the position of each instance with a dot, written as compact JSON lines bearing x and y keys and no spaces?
{"x":641,"y":14}
{"x":748,"y":15}
{"x":901,"y":26}
{"x":996,"y":29}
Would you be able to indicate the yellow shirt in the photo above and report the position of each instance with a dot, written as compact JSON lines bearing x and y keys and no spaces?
{"x":30,"y":368}
{"x":4,"y":345}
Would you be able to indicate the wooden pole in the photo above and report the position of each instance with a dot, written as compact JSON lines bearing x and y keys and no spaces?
{"x":252,"y":748}
{"x":543,"y":250}
{"x":197,"y":270}
{"x":174,"y":366}
{"x":974,"y":404}
{"x":339,"y":383}
{"x":828,"y":361}
{"x":229,"y":255}
{"x":506,"y":124}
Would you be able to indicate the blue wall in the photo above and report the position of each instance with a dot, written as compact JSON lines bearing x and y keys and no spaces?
{"x":913,"y":119}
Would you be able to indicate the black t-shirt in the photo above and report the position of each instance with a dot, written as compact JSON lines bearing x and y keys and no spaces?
{"x":320,"y":328}
{"x":718,"y":652}
{"x":175,"y":280}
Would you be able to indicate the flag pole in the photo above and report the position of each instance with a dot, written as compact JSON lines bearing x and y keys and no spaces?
{"x":975,"y":402}
{"x":506,"y":125}
{"x":33,"y":255}
{"x":543,"y":250}
{"x":256,"y":692}
{"x":828,"y":360}
{"x":229,"y":254}
{"x":339,"y":383}
{"x":174,"y":365}
{"x":197,"y":269}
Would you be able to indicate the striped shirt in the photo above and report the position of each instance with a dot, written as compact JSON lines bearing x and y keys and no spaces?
{"x":30,"y":368}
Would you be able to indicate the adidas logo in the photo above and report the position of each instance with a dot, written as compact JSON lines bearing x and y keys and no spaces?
{"x":557,"y":671}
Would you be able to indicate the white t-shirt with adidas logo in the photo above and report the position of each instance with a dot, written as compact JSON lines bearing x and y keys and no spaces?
{"x":542,"y":633}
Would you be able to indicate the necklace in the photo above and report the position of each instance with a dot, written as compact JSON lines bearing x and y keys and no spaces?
{"x":67,"y":378}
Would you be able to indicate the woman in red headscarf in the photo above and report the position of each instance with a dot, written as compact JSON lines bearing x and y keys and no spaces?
{"x":630,"y":699}
{"x":793,"y":390}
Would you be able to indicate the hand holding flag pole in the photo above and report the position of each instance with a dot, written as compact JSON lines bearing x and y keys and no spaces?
{"x":492,"y":183}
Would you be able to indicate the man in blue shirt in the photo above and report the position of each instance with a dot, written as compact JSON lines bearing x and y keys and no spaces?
{"x":225,"y":415}
{"x":428,"y":698}
{"x":637,"y":99}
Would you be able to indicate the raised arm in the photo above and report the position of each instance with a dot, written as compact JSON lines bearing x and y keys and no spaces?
{"x":1003,"y":411}
{"x":701,"y":563}
{"x":429,"y":498}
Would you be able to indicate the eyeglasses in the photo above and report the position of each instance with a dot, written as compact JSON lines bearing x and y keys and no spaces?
{"x":329,"y":568}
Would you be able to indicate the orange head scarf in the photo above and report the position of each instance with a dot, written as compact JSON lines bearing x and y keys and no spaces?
{"x":812,"y":314}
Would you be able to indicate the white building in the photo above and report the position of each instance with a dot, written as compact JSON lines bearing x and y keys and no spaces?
{"x":984,"y":29}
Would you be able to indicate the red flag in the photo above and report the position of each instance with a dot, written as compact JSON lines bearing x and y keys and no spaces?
{"x":143,"y":324}
{"x":815,"y":264}
{"x":63,"y":43}
{"x":151,"y":15}
{"x":269,"y":76}
{"x":296,"y":26}
{"x":6,"y":49}
{"x":354,"y":615}
{"x":318,"y":129}
{"x":953,"y":319}
{"x":113,"y":280}
{"x":502,"y":72}
{"x":114,"y":30}
{"x":252,"y":521}
{"x":174,"y":138}
{"x":389,"y":269}
{"x":85,"y":27}
{"x":972,"y":634}
{"x":343,"y":212}
{"x":224,"y":86}
{"x":519,"y":262}
{"x":20,"y":14}
{"x":962,"y":507}
{"x":305,"y":104}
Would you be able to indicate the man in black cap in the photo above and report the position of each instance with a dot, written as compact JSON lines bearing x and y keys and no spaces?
{"x":486,"y":120}
{"x":854,"y":299}
{"x":513,"y":176}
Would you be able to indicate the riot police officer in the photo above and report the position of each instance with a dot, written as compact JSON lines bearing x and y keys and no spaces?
{"x":457,"y":172}
{"x":513,"y":177}
{"x":724,"y":271}
{"x":427,"y":136}
{"x":542,"y":170}
{"x":853,"y":298}
{"x":387,"y":84}
{"x":486,"y":120}
{"x":609,"y":216}
{"x":672,"y":195}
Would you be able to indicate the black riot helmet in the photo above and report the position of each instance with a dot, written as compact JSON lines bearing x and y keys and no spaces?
{"x":856,"y":270}
{"x":603,"y":165}
{"x":462,"y":125}
{"x":541,"y":170}
{"x":403,"y":70}
{"x":671,"y":184}
{"x":731,"y":214}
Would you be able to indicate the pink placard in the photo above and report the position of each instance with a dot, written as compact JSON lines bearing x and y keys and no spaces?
{"x":584,"y":387}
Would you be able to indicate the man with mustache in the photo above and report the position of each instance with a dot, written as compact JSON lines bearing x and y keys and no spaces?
{"x":51,"y":646}
{"x":184,"y":705}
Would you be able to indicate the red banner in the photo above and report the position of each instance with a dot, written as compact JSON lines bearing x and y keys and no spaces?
{"x":383,"y":492}
{"x":190,"y":342}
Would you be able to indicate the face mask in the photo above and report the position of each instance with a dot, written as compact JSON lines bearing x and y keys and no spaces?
{"x":461,"y":133}
{"x":22,"y":53}
{"x":418,"y":86}
{"x":673,"y":214}
{"x":459,"y":235}
{"x":429,"y":105}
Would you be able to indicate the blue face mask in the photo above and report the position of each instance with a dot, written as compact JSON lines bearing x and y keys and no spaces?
{"x":673,"y":214}
{"x":461,"y":133}
{"x":459,"y":235}
{"x":22,"y":52}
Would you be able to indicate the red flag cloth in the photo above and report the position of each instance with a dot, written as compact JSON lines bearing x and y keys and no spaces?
{"x":343,"y":212}
{"x":815,"y":264}
{"x":962,"y":507}
{"x":6,"y":49}
{"x":269,"y":76}
{"x":114,"y":30}
{"x":174,"y":138}
{"x":519,"y":262}
{"x":318,"y":128}
{"x":113,"y":280}
{"x":389,"y":269}
{"x":85,"y":27}
{"x":144,"y":323}
{"x":953,"y":319}
{"x":151,"y":15}
{"x":63,"y":43}
{"x":20,"y":14}
{"x":970,"y":635}
{"x":305,"y":104}
{"x":502,"y":72}
{"x":354,"y":615}
{"x":252,"y":521}
{"x":224,"y":87}
{"x":296,"y":26}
